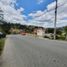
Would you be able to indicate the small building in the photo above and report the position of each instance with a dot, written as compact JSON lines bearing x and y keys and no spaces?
{"x":40,"y":32}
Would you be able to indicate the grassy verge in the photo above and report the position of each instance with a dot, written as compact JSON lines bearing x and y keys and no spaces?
{"x":1,"y":45}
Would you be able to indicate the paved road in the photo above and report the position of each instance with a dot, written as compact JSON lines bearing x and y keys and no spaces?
{"x":26,"y":51}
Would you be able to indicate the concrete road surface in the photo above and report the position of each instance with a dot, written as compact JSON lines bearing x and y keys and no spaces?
{"x":27,"y":51}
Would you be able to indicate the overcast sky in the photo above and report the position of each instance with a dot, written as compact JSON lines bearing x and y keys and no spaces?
{"x":34,"y":12}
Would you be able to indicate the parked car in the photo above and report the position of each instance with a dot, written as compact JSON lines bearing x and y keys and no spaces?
{"x":49,"y":35}
{"x":2,"y":35}
{"x":23,"y":33}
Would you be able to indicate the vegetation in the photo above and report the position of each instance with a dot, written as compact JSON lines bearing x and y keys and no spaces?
{"x":65,"y":31}
{"x":61,"y":33}
{"x":6,"y":27}
{"x":1,"y":45}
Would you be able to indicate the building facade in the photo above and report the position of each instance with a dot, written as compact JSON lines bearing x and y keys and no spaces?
{"x":40,"y":32}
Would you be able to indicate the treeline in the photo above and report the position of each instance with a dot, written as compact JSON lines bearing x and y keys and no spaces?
{"x":6,"y":26}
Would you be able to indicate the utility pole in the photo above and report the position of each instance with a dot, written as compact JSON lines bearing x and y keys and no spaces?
{"x":55,"y":20}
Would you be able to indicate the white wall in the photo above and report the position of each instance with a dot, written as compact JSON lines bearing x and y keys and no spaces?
{"x":40,"y":32}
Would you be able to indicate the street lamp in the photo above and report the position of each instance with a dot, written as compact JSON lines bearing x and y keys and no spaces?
{"x":55,"y":20}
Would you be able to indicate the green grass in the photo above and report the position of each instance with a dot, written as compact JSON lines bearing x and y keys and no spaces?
{"x":1,"y":45}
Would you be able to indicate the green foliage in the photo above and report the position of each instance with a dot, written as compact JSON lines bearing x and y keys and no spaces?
{"x":65,"y":31}
{"x":50,"y":30}
{"x":5,"y":28}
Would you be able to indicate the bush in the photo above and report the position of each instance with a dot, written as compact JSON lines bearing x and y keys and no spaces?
{"x":46,"y":37}
{"x":60,"y":37}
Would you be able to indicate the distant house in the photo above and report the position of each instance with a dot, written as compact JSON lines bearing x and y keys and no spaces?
{"x":39,"y":31}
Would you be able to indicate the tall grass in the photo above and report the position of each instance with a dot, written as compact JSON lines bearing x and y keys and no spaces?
{"x":1,"y":45}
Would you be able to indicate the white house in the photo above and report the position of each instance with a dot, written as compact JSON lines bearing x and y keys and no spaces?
{"x":40,"y":32}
